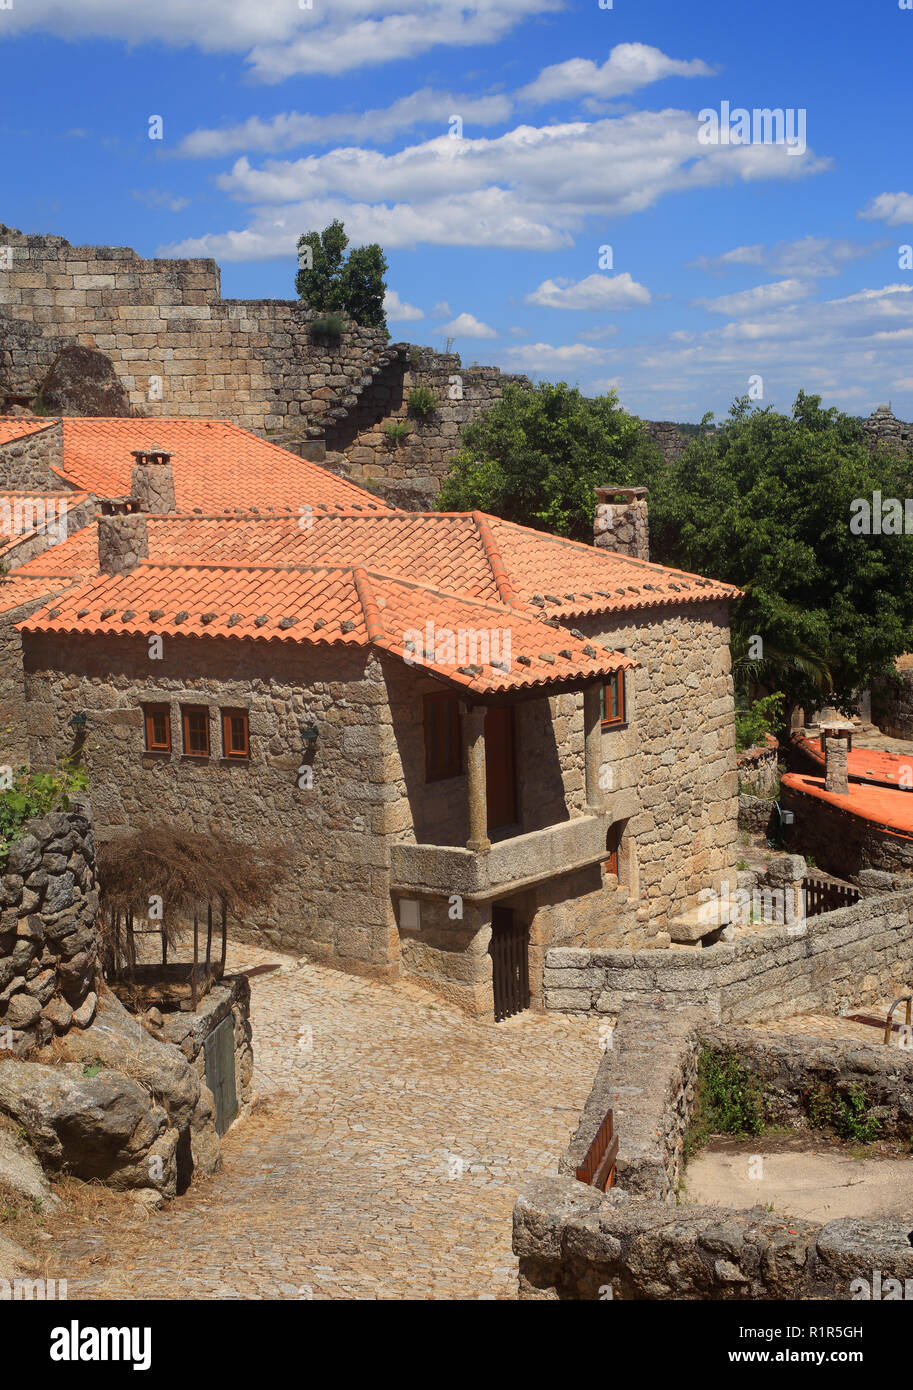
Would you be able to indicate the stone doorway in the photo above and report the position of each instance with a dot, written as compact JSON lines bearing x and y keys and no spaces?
{"x":509,"y":951}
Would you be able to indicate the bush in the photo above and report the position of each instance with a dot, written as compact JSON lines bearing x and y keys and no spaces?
{"x":847,"y":1114}
{"x":34,"y":794}
{"x":396,"y":431}
{"x":330,"y":326}
{"x":761,"y":717}
{"x":727,"y":1100}
{"x":422,"y":401}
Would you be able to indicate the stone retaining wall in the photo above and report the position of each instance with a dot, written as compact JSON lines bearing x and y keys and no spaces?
{"x":757,"y":815}
{"x":48,"y":946}
{"x":759,"y":771}
{"x":575,"y":1242}
{"x":892,"y":705}
{"x":822,"y":964}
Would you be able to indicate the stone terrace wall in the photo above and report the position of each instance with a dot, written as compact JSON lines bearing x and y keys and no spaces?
{"x":840,"y":842}
{"x":647,"y":1079}
{"x":575,"y":1242}
{"x":48,"y":948}
{"x":824,"y":964}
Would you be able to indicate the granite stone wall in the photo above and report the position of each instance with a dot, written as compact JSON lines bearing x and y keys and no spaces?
{"x":26,"y":463}
{"x":822,"y":964}
{"x":48,"y":947}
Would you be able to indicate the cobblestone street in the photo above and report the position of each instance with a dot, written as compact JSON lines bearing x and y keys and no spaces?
{"x":382,"y":1160}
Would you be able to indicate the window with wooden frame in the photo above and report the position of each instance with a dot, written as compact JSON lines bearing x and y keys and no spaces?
{"x":195,"y":719}
{"x":612,"y":700}
{"x":612,"y":842}
{"x":443,"y":737}
{"x":157,"y":720}
{"x":235,"y":733}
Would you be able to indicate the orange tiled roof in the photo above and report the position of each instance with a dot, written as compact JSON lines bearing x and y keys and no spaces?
{"x":884,"y":806}
{"x":19,"y":588}
{"x":19,"y":426}
{"x":865,"y":764}
{"x":319,"y":605}
{"x":463,"y":552}
{"x":216,"y":465}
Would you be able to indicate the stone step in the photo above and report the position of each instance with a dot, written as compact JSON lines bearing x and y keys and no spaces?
{"x":698,"y":922}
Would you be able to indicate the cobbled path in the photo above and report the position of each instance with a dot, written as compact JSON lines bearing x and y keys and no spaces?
{"x":382,"y":1161}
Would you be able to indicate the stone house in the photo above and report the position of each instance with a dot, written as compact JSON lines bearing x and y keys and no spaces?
{"x":473,"y":740}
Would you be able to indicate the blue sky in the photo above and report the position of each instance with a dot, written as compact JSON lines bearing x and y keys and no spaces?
{"x":581,"y":129}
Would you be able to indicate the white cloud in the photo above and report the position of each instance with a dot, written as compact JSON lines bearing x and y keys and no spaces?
{"x":465,"y":326}
{"x":894,"y":208}
{"x":628,"y":67}
{"x":542,"y":357}
{"x":811,"y":256}
{"x":279,"y":38}
{"x":441,"y":310}
{"x":399,"y":312}
{"x":160,"y":198}
{"x":759,"y":298}
{"x":532,"y":187}
{"x":288,"y":129}
{"x":595,"y":292}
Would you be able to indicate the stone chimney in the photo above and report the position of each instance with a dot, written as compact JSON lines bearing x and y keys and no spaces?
{"x":621,"y":521}
{"x":152,"y":481}
{"x":836,"y":740}
{"x":123,"y":538}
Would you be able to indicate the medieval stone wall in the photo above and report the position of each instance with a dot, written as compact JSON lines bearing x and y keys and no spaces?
{"x":26,"y":463}
{"x":840,"y":842}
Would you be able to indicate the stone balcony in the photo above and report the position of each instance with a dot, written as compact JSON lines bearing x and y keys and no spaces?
{"x":507,"y":865}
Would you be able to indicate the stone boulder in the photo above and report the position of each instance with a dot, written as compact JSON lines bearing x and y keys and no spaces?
{"x":93,"y":1123}
{"x":20,"y":1170}
{"x":82,"y":381}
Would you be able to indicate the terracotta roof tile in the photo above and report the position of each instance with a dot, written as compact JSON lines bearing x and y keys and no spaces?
{"x":873,"y":765}
{"x":216,"y":465}
{"x":884,"y":806}
{"x":20,"y":426}
{"x":319,"y":605}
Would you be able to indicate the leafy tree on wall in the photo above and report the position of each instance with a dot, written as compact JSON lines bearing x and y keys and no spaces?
{"x":766,"y":502}
{"x":332,"y":282}
{"x":537,"y":456}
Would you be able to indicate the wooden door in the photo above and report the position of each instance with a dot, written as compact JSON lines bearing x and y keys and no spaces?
{"x":500,"y":768}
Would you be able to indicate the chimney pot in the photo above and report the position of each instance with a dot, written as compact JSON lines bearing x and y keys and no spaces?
{"x":123,"y":538}
{"x":621,"y":522}
{"x":152,"y":480}
{"x":836,"y":740}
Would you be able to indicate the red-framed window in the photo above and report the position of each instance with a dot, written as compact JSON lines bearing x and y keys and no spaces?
{"x":235,"y":733}
{"x":195,"y":720}
{"x":612,"y":700}
{"x":443,"y":738}
{"x":157,"y":720}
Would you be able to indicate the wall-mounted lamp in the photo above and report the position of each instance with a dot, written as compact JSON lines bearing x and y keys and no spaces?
{"x":310,"y":733}
{"x":78,"y":720}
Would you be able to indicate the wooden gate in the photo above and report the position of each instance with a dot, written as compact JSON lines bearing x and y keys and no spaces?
{"x":598,"y":1167}
{"x":823,"y":896}
{"x":509,"y":951}
{"x":219,"y":1061}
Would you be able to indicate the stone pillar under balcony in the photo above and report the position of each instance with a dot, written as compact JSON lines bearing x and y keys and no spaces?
{"x":592,"y":731}
{"x":472,"y":719}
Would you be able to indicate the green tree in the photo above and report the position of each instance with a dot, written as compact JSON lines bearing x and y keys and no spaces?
{"x":537,"y":456}
{"x":765,"y":502}
{"x":334,"y":283}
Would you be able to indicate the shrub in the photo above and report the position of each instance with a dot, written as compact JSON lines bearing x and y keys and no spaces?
{"x":760,"y":718}
{"x":847,"y":1114}
{"x":396,"y":431}
{"x":35,"y":794}
{"x":329,"y":326}
{"x":422,"y":401}
{"x":727,"y":1099}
